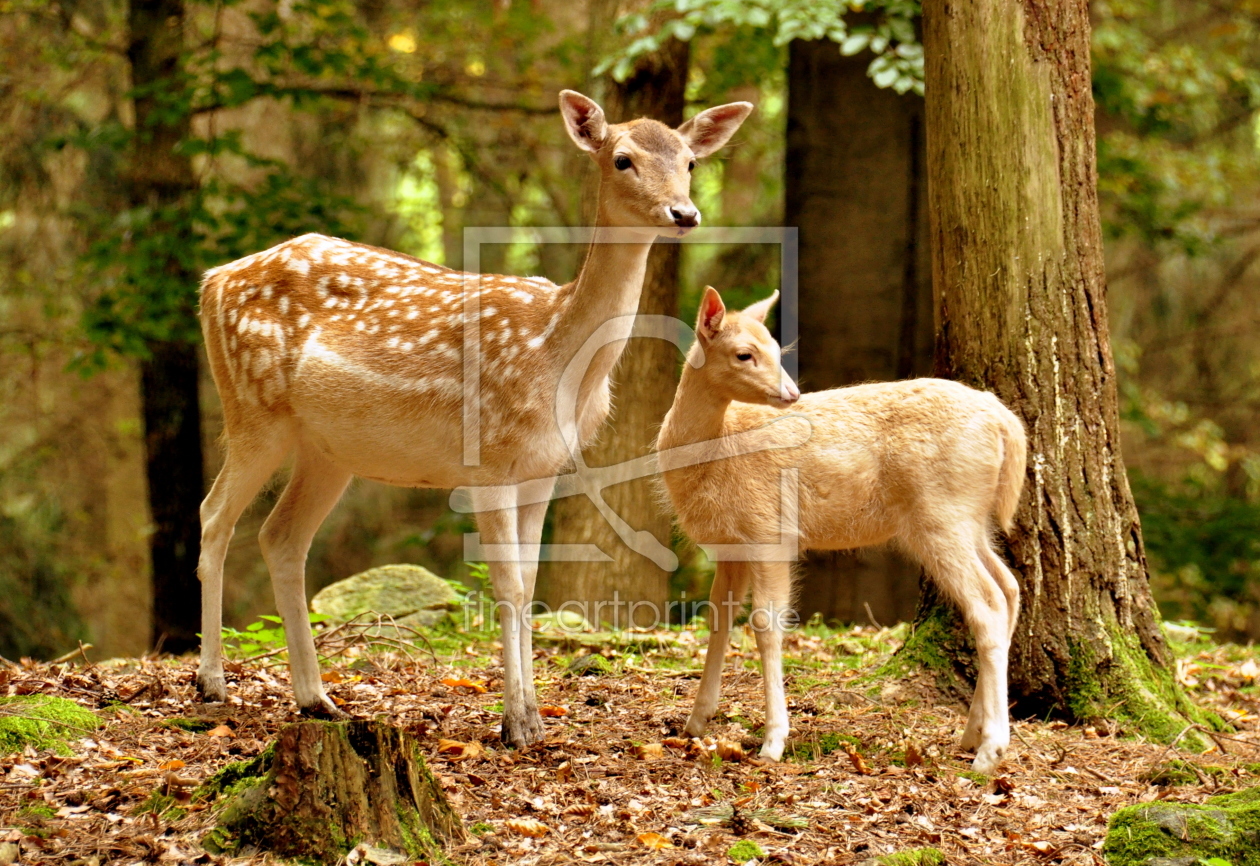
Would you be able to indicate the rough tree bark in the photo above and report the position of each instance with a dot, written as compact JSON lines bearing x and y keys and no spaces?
{"x":324,"y":787}
{"x":1017,"y":265}
{"x":643,"y":390}
{"x":158,"y":177}
{"x":855,"y":188}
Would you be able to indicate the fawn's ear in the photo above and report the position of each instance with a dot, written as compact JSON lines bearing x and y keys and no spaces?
{"x":583,"y":120}
{"x":712,"y":313}
{"x":761,"y":309}
{"x":710,"y":129}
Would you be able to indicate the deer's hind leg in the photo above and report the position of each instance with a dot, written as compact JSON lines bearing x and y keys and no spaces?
{"x":726,"y":600}
{"x":313,"y":489}
{"x":249,"y":462}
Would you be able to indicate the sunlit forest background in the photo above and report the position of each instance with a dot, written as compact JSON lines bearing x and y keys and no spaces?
{"x":400,"y":122}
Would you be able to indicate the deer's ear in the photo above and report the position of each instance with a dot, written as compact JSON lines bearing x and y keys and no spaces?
{"x":583,"y":120}
{"x":710,"y":129}
{"x":712,"y":313}
{"x":761,"y":309}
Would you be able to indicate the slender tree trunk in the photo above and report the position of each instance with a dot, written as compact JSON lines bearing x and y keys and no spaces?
{"x":643,"y":390}
{"x":855,"y":188}
{"x":159,"y":177}
{"x":1017,"y":265}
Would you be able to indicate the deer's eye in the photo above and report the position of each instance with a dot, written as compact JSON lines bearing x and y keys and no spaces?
{"x":621,"y":163}
{"x":691,"y":166}
{"x":744,"y":356}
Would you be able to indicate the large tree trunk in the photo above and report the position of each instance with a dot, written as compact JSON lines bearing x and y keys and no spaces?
{"x":1017,"y":264}
{"x":158,"y":178}
{"x":643,"y":390}
{"x":855,"y":188}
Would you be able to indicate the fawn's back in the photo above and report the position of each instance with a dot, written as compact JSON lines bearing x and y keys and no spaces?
{"x":883,"y":460}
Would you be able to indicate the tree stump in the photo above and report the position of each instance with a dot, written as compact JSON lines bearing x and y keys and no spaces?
{"x":324,"y":787}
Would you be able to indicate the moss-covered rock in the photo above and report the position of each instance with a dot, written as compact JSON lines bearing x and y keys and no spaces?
{"x":43,"y":722}
{"x":412,"y":595}
{"x":1172,"y":834}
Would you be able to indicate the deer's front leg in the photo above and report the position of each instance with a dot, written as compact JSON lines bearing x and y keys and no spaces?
{"x":521,"y":723}
{"x":529,"y":523}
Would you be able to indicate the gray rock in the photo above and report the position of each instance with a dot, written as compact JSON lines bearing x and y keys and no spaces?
{"x":412,"y":595}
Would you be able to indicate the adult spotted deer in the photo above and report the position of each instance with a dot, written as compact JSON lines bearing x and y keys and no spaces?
{"x":926,"y":464}
{"x":352,"y":358}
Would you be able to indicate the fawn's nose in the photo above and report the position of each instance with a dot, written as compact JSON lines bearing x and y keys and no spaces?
{"x":685,"y":216}
{"x":788,"y":392}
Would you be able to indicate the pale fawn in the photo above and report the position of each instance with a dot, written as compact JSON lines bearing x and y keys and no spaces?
{"x":353,"y":359}
{"x":927,"y":464}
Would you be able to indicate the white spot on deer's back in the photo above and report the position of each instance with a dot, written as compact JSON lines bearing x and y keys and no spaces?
{"x":284,"y":305}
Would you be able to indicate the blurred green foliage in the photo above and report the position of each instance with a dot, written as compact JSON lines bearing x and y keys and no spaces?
{"x":886,"y":28}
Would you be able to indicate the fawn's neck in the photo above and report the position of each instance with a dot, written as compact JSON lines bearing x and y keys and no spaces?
{"x":698,"y":413}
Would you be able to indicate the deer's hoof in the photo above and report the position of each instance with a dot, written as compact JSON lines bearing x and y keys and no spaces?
{"x":521,"y":731}
{"x":211,"y":689}
{"x":324,"y":709}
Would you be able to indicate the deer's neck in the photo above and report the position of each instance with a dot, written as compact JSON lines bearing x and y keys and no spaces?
{"x":607,"y":287}
{"x":698,"y":414}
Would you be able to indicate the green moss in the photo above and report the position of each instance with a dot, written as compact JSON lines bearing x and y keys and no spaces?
{"x":980,"y":779}
{"x":814,"y":749}
{"x":1225,"y":827}
{"x":480,"y":828}
{"x":1129,"y":689}
{"x":745,"y":850}
{"x":939,"y":645}
{"x":913,"y":857}
{"x":43,"y":722}
{"x":1179,"y":772}
{"x":165,"y":807}
{"x":195,"y":726}
{"x":37,"y":811}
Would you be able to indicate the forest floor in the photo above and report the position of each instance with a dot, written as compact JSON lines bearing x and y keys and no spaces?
{"x":866,"y":773}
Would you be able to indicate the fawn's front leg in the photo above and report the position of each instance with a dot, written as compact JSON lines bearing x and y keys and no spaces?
{"x":726,"y":600}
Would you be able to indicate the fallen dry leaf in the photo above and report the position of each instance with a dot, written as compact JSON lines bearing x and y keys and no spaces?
{"x":527,"y":827}
{"x":677,"y":742}
{"x":458,"y":751}
{"x":649,"y":751}
{"x":914,"y":758}
{"x":859,"y":763}
{"x":581,"y":810}
{"x":551,"y":712}
{"x":172,"y":765}
{"x":654,"y":841}
{"x":332,"y":677}
{"x":463,"y":683}
{"x":729,"y":750}
{"x":221,"y":731}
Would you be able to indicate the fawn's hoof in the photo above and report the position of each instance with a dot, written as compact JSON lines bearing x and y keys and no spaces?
{"x":988,"y":758}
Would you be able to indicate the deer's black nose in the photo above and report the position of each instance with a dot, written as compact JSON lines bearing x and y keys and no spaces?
{"x":685,"y":216}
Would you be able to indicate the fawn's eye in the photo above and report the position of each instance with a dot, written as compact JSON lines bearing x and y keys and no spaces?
{"x":621,"y":163}
{"x":744,"y":356}
{"x":691,"y":166}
